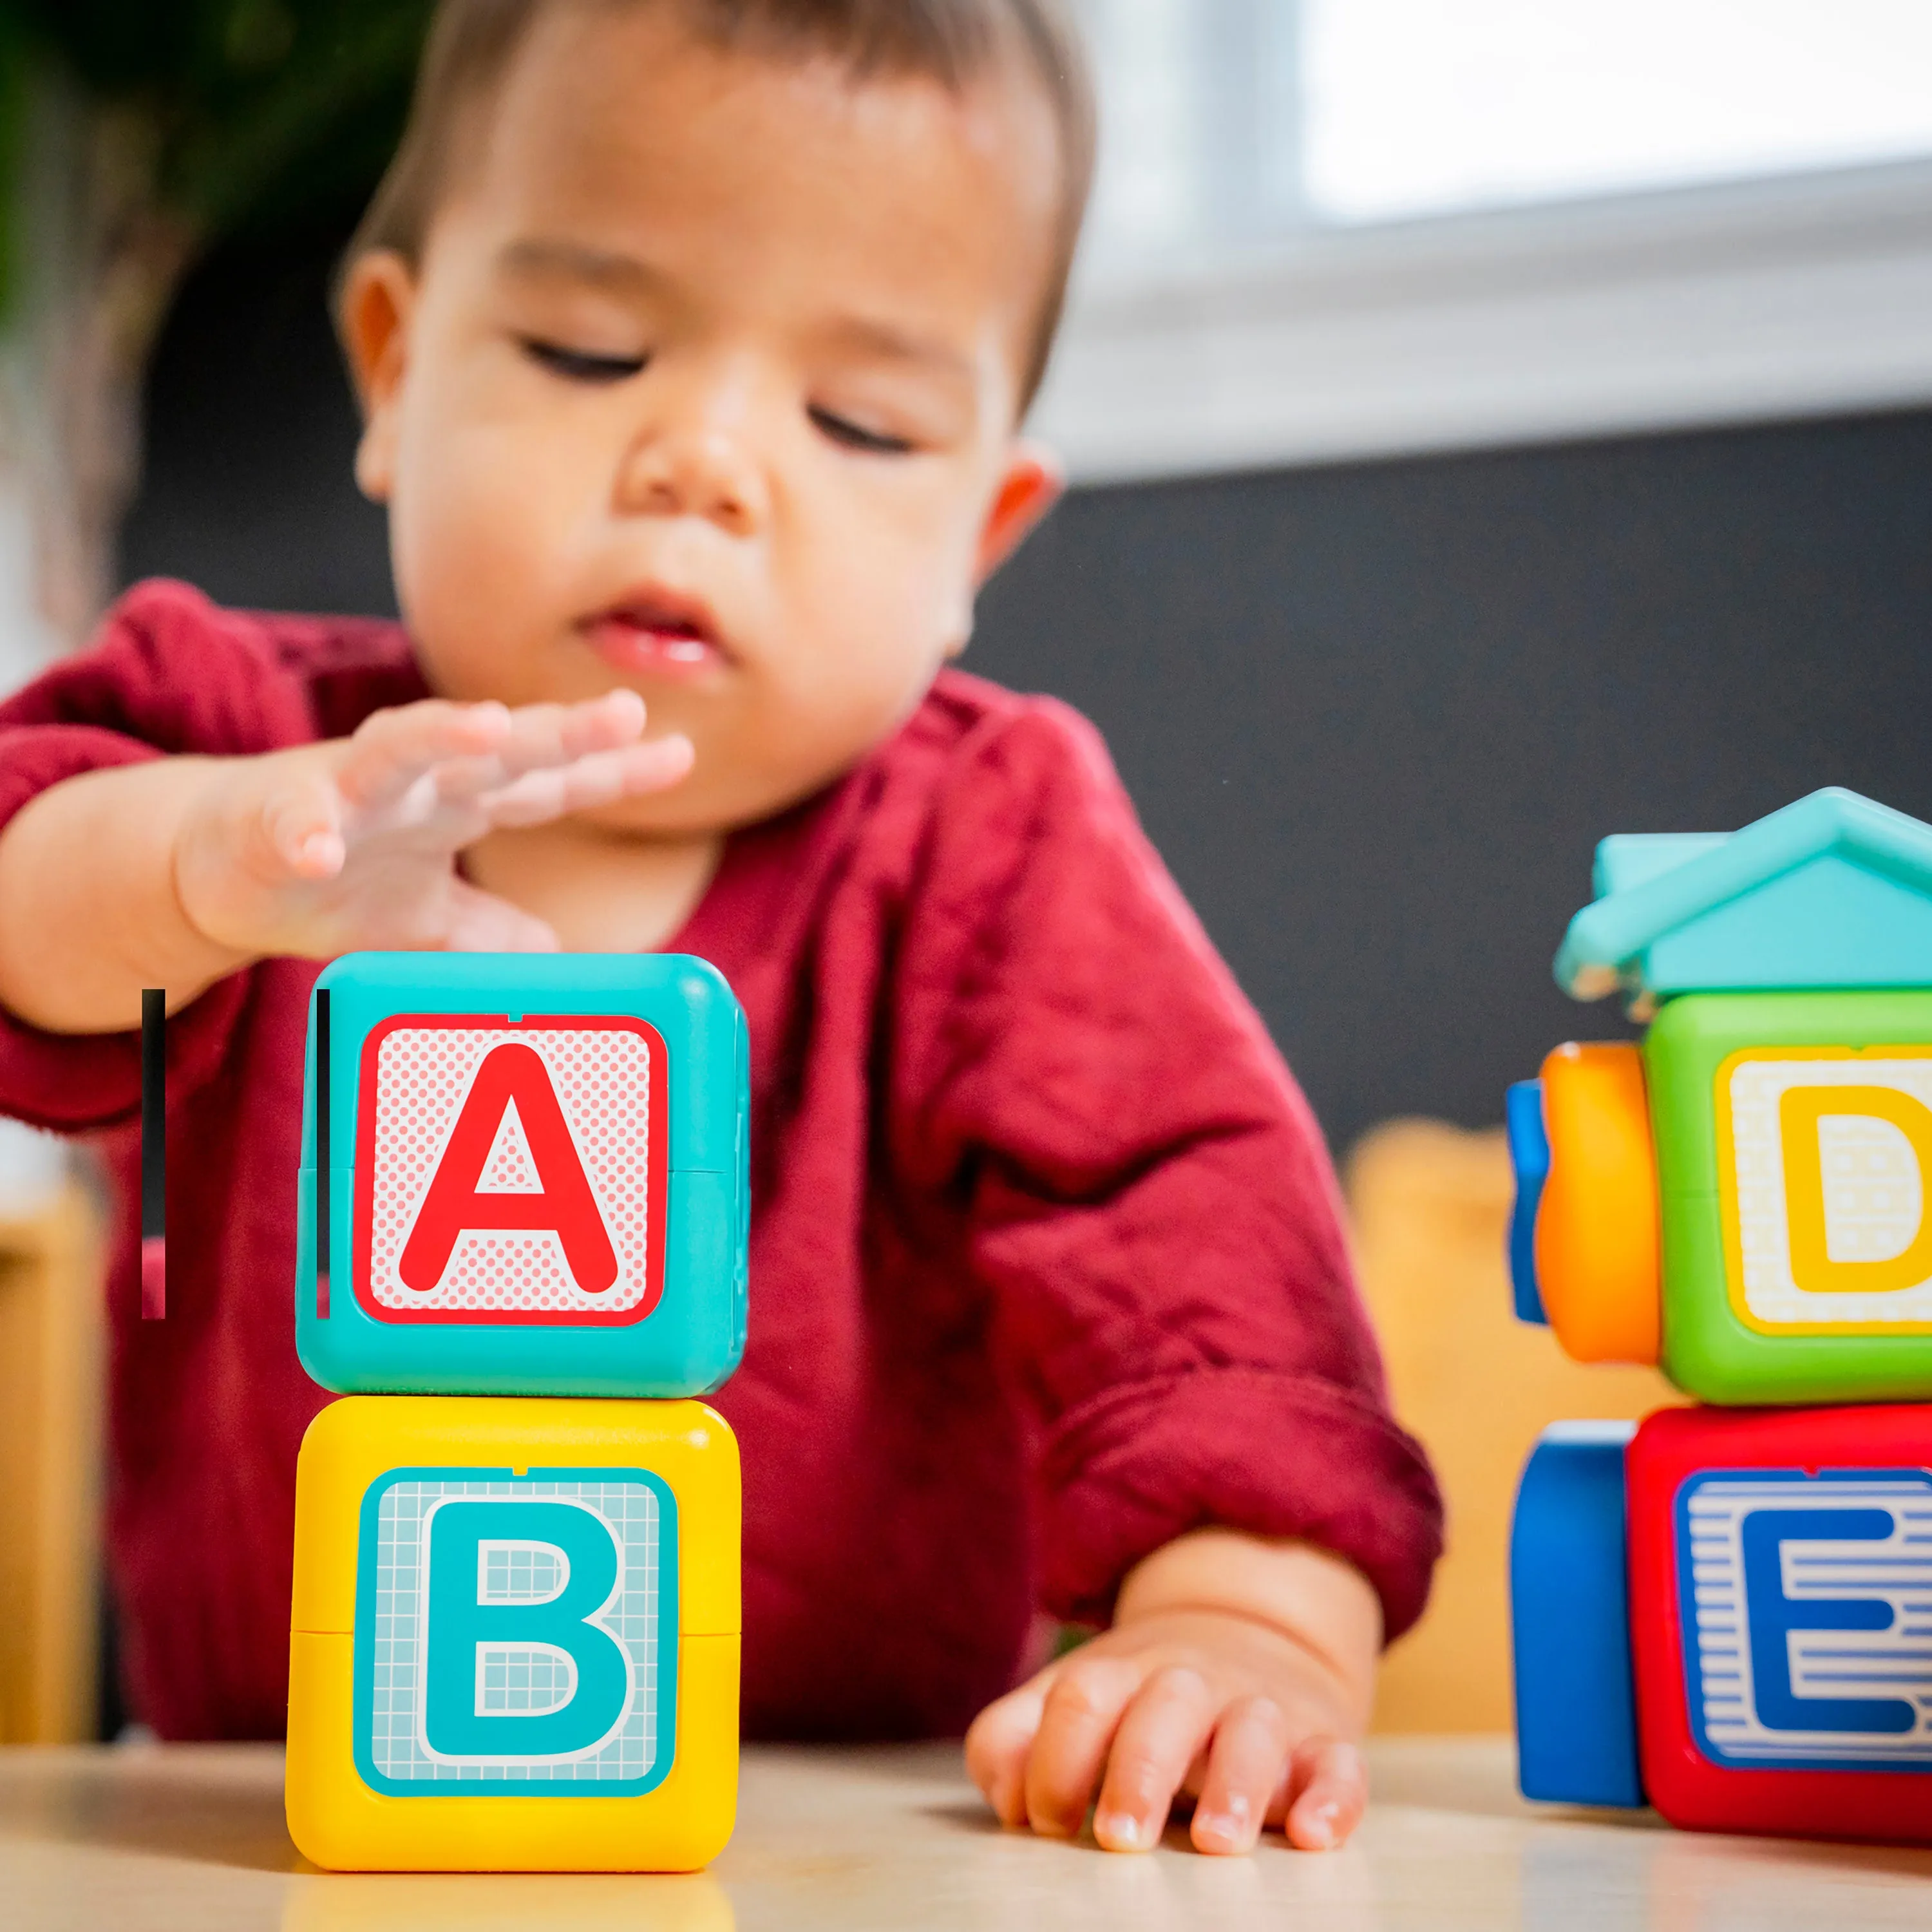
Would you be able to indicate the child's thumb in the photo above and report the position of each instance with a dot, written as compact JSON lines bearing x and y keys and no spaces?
{"x":303,"y":821}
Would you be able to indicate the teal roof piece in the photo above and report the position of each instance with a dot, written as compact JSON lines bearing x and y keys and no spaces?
{"x":1833,"y":891}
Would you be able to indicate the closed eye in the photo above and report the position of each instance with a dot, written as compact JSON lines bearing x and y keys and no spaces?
{"x":850,"y":435}
{"x":578,"y":365}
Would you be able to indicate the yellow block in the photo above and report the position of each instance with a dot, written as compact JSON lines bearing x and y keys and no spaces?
{"x":374,"y":1783}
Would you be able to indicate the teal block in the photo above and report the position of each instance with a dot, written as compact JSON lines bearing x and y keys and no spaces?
{"x":1834,"y":891}
{"x":644,"y":1061}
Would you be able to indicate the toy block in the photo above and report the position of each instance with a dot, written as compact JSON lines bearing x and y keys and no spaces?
{"x":523,"y":1174}
{"x":1576,"y":1699}
{"x":1834,"y":891}
{"x":1773,"y":1641}
{"x":1781,"y":1595}
{"x":514,"y":1636}
{"x":1794,"y":1153}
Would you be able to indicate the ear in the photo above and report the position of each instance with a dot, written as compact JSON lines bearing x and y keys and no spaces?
{"x":378,"y":300}
{"x":1035,"y":480}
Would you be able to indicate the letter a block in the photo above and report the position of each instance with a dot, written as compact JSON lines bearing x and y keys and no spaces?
{"x":515,"y":1636}
{"x":531,"y":1176}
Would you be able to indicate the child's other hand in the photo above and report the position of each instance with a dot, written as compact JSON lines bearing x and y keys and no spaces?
{"x":352,"y":843}
{"x":1246,"y":1699}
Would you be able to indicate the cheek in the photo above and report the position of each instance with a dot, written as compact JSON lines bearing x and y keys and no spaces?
{"x":881,"y":596}
{"x":480,"y":520}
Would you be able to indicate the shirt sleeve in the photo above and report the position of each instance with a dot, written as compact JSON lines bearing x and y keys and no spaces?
{"x":1149,"y":1201}
{"x":168,"y":674}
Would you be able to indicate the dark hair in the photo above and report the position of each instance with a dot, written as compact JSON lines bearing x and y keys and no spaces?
{"x":471,"y":43}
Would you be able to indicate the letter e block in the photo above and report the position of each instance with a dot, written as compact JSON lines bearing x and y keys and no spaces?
{"x":1781,"y":1619}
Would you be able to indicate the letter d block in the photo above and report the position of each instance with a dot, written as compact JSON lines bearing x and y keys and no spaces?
{"x":1781,"y":1588}
{"x":1794,"y":1148}
{"x":514,"y":1642}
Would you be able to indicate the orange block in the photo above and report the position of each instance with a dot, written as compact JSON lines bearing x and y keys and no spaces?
{"x":1598,"y":1263}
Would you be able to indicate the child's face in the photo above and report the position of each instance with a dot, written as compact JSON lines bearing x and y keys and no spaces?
{"x":706,"y":385}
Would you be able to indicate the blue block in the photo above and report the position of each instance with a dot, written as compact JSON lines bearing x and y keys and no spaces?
{"x":1576,"y":1701}
{"x":537,"y":1180}
{"x":1529,"y":1156}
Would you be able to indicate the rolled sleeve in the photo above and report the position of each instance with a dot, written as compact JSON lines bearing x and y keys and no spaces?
{"x":1275,"y":1455}
{"x":168,"y":674}
{"x":77,"y":1083}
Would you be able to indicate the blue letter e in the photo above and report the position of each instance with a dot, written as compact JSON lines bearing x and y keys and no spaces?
{"x":1774,"y":1617}
{"x":470,"y":1632}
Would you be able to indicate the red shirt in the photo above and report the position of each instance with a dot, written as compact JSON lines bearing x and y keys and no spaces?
{"x":1046,"y":1264}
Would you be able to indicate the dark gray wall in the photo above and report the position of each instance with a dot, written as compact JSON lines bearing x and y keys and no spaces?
{"x":1376,"y":716}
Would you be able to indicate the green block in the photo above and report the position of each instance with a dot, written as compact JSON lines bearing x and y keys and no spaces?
{"x":1740,"y":1325}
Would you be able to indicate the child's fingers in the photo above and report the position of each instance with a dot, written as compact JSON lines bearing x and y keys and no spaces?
{"x":545,"y":738}
{"x":392,"y":749}
{"x":601,"y":778}
{"x":1165,"y":1726}
{"x":1083,"y":1708}
{"x":1245,"y":1767}
{"x":1328,"y":1792}
{"x":997,"y":1747}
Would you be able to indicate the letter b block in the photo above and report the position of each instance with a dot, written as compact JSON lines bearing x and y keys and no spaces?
{"x":515,"y":1641}
{"x":522,"y":1175}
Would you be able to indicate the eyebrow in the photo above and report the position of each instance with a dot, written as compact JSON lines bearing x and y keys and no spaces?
{"x":547,"y":258}
{"x":898,"y":345}
{"x":538,"y":257}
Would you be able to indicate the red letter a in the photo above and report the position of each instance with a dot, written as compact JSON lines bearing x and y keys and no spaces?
{"x":566,"y":1207}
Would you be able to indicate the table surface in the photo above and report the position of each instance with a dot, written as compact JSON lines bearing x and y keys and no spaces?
{"x":135,"y":1840}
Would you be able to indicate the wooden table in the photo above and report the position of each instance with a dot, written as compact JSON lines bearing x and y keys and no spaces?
{"x":139,"y":1839}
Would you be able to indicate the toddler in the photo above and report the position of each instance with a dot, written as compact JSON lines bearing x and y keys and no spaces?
{"x":693,"y":338}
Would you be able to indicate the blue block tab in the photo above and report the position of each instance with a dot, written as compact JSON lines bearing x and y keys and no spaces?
{"x":1529,"y":1155}
{"x":1575,"y":1699}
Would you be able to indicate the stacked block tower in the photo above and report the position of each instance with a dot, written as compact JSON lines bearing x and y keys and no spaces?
{"x":1726,"y":1611}
{"x":522,"y":1232}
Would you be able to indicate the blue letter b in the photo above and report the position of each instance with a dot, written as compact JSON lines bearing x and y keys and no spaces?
{"x":472,"y":1633}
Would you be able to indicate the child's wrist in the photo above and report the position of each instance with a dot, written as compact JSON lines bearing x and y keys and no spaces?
{"x":1315,"y":1599}
{"x":202,"y":840}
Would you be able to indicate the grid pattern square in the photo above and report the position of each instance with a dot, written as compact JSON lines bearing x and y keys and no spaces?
{"x":524,"y":1678}
{"x":602,"y":1078}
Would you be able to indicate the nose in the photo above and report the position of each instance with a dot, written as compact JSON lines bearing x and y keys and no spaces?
{"x":695,"y":458}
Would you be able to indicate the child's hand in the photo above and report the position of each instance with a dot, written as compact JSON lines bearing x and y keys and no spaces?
{"x":1246,"y":1698}
{"x":352,"y":843}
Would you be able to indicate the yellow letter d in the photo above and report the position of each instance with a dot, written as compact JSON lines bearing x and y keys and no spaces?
{"x":1800,"y":1111}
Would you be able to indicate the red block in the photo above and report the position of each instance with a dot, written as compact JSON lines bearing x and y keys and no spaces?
{"x":1781,"y":1619}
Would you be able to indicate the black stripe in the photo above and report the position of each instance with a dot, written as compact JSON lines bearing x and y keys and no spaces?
{"x":154,"y":1113}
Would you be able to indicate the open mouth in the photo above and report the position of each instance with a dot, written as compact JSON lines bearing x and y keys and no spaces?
{"x":657,"y":632}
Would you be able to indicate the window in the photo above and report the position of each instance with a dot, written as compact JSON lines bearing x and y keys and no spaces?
{"x":1327,"y":227}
